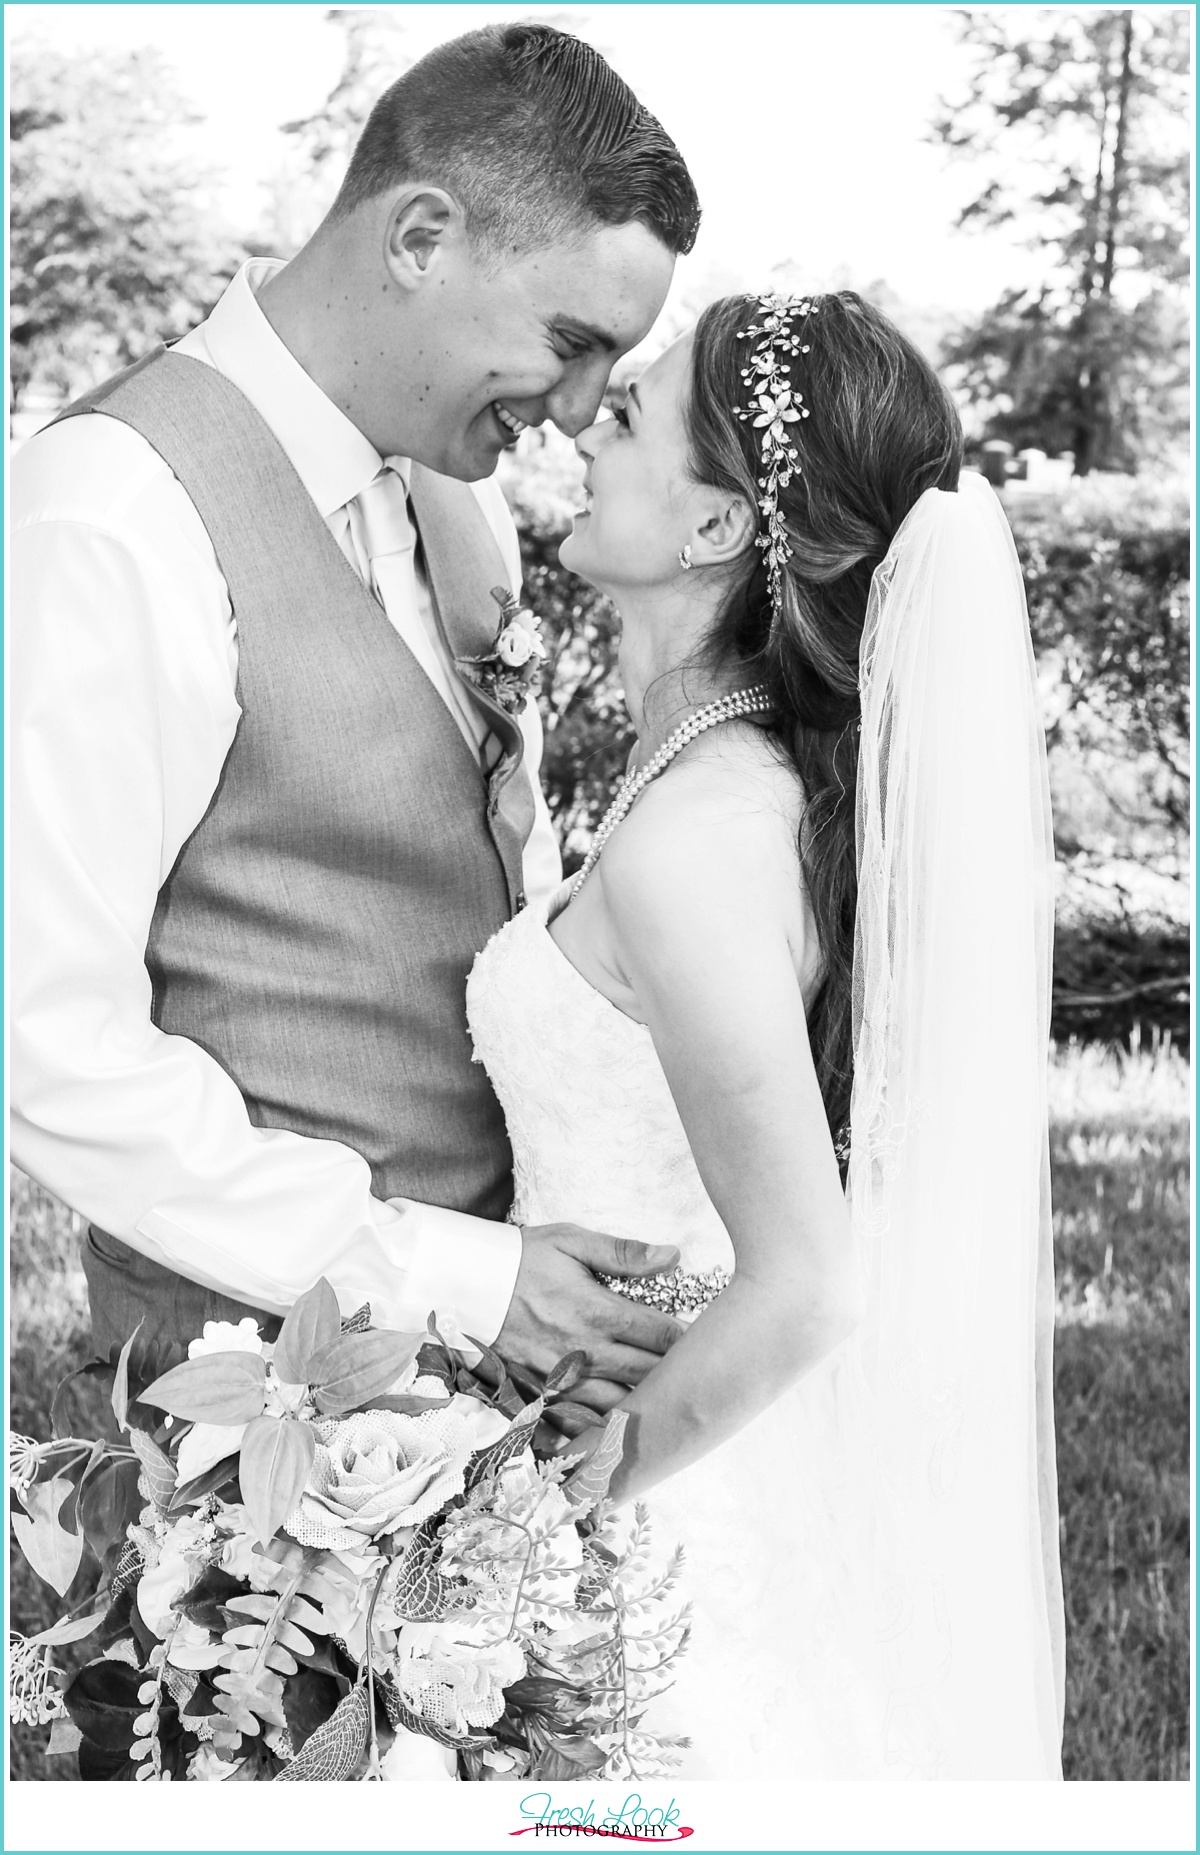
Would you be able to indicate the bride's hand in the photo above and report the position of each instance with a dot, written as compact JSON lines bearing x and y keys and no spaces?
{"x":559,"y":1307}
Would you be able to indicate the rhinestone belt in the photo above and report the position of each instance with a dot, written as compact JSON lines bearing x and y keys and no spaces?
{"x":677,"y":1292}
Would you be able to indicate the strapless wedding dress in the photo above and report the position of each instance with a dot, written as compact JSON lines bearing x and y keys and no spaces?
{"x":772,"y":1684}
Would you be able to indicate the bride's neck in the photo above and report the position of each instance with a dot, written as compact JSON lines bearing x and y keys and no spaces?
{"x":662,"y":667}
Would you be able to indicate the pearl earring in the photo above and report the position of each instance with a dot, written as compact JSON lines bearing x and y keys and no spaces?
{"x":685,"y":558}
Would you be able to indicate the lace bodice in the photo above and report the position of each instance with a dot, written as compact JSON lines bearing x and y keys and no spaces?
{"x":596,"y":1136}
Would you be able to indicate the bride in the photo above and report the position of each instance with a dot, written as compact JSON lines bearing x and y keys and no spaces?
{"x":791,"y":1016}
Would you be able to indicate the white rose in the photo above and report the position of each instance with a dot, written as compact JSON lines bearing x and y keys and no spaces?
{"x":171,"y":1574}
{"x":207,"y":1768}
{"x":485,"y":1424}
{"x":414,"y":1759}
{"x":238,"y":1539}
{"x":205,"y":1445}
{"x":221,"y":1336}
{"x":456,"y":1669}
{"x":514,"y":646}
{"x":375,"y":1471}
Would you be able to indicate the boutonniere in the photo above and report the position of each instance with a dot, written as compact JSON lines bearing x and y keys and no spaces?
{"x":513,"y":667}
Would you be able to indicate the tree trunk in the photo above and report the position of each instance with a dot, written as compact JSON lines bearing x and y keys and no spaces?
{"x":1116,"y":191}
{"x":1094,"y":440}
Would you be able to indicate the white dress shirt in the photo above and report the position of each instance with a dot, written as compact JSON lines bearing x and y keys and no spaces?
{"x":123,"y":708}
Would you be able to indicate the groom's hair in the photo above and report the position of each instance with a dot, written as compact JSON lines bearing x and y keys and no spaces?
{"x":533,"y":134}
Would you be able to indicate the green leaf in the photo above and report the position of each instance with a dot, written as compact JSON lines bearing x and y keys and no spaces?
{"x":65,"y":1736}
{"x":215,"y":1388}
{"x":313,"y":1323}
{"x":490,"y":1461}
{"x":582,"y":1414}
{"x":570,"y":1371}
{"x":70,"y":1629}
{"x":204,"y":1603}
{"x":83,"y":1404}
{"x":210,"y":1482}
{"x":566,"y":1759}
{"x":421,"y":1594}
{"x":434,"y":1361}
{"x":53,"y":1552}
{"x":103,"y":1702}
{"x":407,"y":1407}
{"x":157,"y":1467}
{"x":310,"y":1696}
{"x":276,"y":1455}
{"x":359,"y":1366}
{"x":331,"y":1754}
{"x":588,"y":1486}
{"x":76,"y":1475}
{"x":120,"y":1390}
{"x":400,"y":1715}
{"x":108,"y":1504}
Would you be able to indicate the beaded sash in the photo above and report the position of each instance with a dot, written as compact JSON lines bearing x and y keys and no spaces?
{"x":676,"y":1292}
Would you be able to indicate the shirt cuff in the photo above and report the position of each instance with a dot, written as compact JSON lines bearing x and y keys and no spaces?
{"x":462,"y":1269}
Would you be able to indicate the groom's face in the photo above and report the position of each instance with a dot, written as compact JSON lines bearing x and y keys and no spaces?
{"x":505,"y":346}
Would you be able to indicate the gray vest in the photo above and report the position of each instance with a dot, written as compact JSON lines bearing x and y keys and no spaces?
{"x":316,"y":932}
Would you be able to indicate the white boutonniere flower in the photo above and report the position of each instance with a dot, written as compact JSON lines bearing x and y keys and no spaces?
{"x":512,"y":668}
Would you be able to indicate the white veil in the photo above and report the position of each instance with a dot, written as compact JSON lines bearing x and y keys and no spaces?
{"x":945,"y":1391}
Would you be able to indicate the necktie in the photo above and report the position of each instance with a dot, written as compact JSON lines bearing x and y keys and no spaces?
{"x":384,"y":538}
{"x":385,"y":542}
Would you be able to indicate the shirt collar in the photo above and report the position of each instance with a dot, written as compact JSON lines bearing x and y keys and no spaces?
{"x":330,"y":455}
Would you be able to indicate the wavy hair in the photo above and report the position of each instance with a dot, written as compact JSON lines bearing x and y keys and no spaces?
{"x":882,"y":430}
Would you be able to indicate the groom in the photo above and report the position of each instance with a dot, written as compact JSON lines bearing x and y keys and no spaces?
{"x":261,"y":824}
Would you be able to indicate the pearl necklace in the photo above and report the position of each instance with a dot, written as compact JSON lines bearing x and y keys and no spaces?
{"x":752,"y":701}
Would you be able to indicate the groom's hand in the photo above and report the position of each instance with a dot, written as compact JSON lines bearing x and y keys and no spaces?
{"x":559,"y":1307}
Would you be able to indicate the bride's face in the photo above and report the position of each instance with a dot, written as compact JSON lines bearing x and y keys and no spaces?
{"x":640,"y":500}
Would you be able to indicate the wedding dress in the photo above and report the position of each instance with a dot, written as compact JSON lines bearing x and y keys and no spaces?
{"x":873,"y":1561}
{"x":763,"y":1689}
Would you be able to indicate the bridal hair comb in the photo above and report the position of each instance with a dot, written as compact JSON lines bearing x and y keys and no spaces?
{"x":775,"y":405}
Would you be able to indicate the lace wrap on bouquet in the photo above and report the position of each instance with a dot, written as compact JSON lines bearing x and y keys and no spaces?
{"x":948,"y":1383}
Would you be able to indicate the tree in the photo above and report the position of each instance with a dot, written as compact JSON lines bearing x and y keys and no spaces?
{"x":112,"y":244}
{"x":374,"y":56}
{"x":1078,"y":123}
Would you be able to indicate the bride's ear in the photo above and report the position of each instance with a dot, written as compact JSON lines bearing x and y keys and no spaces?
{"x":422,"y":224}
{"x":728,"y":529}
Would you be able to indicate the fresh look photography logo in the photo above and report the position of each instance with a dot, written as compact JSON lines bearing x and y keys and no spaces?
{"x":633,"y":1820}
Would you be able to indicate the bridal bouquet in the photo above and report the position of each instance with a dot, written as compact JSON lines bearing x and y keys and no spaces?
{"x":337,"y":1557}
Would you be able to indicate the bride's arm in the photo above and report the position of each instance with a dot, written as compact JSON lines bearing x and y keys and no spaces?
{"x":702,"y":927}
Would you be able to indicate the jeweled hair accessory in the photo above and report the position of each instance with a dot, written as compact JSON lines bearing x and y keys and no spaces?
{"x":774,"y":405}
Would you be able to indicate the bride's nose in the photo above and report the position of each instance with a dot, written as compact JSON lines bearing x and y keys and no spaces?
{"x":588,"y":441}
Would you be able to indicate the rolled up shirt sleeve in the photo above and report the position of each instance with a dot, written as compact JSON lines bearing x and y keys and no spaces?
{"x":122,"y":710}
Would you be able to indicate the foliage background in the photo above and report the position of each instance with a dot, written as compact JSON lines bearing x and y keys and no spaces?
{"x":1072,"y":129}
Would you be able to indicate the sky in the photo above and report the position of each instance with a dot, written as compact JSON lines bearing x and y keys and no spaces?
{"x":804,"y":125}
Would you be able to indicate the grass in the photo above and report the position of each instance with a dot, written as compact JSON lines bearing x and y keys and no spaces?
{"x":1120,"y":1150}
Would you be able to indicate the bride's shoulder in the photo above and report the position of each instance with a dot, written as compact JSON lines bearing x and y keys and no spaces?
{"x":733,"y":790}
{"x":722,"y":821}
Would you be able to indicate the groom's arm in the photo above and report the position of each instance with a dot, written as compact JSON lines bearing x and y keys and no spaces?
{"x":122,"y":712}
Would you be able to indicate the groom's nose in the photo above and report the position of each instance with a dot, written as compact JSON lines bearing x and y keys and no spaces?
{"x":575,"y":401}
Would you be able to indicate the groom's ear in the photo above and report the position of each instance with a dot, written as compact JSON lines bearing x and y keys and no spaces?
{"x":727,"y":530}
{"x":423,"y":224}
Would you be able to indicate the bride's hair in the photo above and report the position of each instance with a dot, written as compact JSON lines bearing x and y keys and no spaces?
{"x":882,"y":429}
